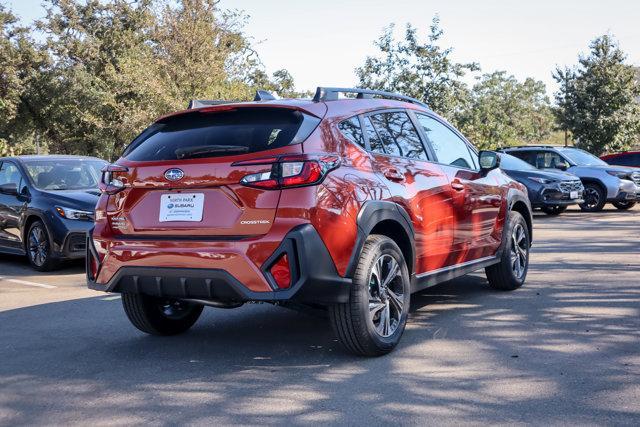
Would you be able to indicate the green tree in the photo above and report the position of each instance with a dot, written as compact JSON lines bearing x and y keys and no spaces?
{"x":117,"y":65}
{"x":503,"y":111}
{"x":20,"y":64}
{"x":422,"y":70}
{"x":598,"y":99}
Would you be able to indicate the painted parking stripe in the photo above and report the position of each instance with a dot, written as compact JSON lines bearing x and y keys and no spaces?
{"x":27,"y":283}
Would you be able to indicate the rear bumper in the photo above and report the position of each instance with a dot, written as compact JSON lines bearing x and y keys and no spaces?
{"x":314,"y":276}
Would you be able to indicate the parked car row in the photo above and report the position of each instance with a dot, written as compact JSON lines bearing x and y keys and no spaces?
{"x":603,"y":183}
{"x":347,"y":204}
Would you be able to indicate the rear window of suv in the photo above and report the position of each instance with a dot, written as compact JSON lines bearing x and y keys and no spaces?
{"x":221,"y":133}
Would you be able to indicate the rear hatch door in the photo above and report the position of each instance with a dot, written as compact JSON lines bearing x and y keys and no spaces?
{"x":181,"y":180}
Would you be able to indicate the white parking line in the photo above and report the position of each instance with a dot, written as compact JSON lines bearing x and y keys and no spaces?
{"x":27,"y":283}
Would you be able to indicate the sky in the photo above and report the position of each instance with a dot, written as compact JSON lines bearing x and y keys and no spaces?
{"x":321,"y":42}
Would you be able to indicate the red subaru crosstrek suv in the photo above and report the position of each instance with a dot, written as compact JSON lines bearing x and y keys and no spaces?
{"x":349,"y":204}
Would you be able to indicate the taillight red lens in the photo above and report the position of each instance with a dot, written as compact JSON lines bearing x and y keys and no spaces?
{"x":310,"y":173}
{"x":289,"y":171}
{"x":281,"y":272}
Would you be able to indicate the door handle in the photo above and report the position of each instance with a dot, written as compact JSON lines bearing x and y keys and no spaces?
{"x":393,"y":175}
{"x":457,"y":185}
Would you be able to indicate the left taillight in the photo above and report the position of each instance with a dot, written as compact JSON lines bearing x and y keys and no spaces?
{"x":289,"y":171}
{"x":110,"y":182}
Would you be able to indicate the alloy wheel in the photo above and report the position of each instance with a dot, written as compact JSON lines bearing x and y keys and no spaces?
{"x":38,"y":246}
{"x":591,"y":197}
{"x":519,"y":251}
{"x":386,"y":295}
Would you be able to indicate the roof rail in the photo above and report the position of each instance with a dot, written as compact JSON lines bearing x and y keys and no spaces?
{"x":261,"y":95}
{"x":533,"y":146}
{"x":331,"y":94}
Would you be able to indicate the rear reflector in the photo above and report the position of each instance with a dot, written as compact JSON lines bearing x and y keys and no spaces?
{"x":281,"y":272}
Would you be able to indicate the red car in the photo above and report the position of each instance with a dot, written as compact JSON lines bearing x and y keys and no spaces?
{"x":626,"y":158}
{"x":349,"y":204}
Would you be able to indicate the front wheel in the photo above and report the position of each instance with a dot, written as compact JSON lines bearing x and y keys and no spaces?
{"x":594,"y":198}
{"x":623,"y":206}
{"x":160,"y":316}
{"x":554,"y":209}
{"x":38,"y":246}
{"x":511,"y":271}
{"x":373,"y":320}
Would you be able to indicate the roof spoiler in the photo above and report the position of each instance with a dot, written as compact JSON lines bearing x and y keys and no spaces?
{"x":261,"y":95}
{"x":332,"y":94}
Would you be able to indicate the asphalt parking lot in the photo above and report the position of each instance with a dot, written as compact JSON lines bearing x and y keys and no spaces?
{"x":564,"y":349}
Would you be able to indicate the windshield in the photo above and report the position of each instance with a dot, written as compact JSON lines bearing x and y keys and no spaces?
{"x":65,"y":174}
{"x":582,"y":158}
{"x":508,"y":162}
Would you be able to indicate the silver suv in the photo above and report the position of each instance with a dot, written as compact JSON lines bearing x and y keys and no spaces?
{"x":603,"y":182}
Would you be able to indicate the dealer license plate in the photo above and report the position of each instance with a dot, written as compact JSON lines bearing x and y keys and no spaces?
{"x":181,"y":207}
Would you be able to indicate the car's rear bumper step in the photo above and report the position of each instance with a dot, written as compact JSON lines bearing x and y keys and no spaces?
{"x":314,"y":277}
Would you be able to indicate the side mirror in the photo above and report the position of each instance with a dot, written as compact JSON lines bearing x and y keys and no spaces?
{"x":489,"y":160}
{"x":562,"y":166}
{"x":9,"y":188}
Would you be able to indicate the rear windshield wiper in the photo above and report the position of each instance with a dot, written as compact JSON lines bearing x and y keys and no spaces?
{"x":188,"y":152}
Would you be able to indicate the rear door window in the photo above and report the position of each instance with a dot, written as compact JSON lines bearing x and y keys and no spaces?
{"x":351,"y":129}
{"x":526,"y":155}
{"x":375,"y":143}
{"x":398,"y":135}
{"x":221,"y":133}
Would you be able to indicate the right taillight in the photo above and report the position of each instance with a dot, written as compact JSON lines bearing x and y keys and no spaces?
{"x":110,"y":183}
{"x":289,"y":171}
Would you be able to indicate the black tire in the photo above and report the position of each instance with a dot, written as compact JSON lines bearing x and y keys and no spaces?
{"x":623,"y":206}
{"x":160,"y":316}
{"x":594,"y":198}
{"x":372,"y":301}
{"x":511,"y":272}
{"x":554,"y":210}
{"x":38,"y":248}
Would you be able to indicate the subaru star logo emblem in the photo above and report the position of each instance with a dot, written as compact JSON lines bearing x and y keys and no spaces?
{"x":174,"y":174}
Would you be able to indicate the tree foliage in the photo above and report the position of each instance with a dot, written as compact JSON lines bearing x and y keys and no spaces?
{"x":107,"y":69}
{"x":503,"y":111}
{"x":20,"y":65}
{"x":598,"y":99}
{"x":496,"y":110}
{"x":422,"y":70}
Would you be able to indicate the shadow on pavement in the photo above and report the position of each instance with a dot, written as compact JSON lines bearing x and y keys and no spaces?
{"x":543,"y":354}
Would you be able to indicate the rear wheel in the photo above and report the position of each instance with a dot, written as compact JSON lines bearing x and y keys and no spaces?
{"x":511,"y":271}
{"x":373,"y":320}
{"x":554,"y":210}
{"x":160,"y":316}
{"x":624,"y":205}
{"x":38,"y":247}
{"x":594,"y":198}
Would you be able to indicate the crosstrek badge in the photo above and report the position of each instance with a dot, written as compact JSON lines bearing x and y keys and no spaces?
{"x":181,"y":207}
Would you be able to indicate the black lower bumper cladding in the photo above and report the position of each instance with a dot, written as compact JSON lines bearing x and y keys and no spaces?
{"x":314,"y":277}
